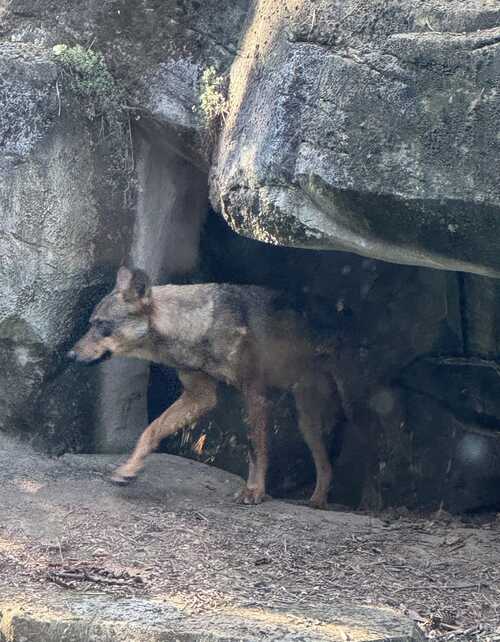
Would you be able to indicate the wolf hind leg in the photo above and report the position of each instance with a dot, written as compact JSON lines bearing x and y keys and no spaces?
{"x":257,"y":406}
{"x":312,"y":399}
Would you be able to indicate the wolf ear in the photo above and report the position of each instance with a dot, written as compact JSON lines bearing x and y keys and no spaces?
{"x":141,"y":284}
{"x":135,"y":284}
{"x":123,"y":279}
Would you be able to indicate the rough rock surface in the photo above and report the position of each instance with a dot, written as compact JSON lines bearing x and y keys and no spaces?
{"x":368,"y":127}
{"x":61,"y":230}
{"x":158,"y":49}
{"x":172,"y":559}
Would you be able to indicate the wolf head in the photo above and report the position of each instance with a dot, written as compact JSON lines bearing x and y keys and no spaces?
{"x":119,"y":324}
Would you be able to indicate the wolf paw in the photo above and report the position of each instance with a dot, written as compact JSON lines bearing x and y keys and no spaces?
{"x":320,"y":503}
{"x":250,"y":496}
{"x":119,"y":479}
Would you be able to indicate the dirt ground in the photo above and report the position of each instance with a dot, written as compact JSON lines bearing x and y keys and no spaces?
{"x":176,"y":536}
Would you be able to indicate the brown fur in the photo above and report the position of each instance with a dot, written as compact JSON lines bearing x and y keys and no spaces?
{"x":241,"y":335}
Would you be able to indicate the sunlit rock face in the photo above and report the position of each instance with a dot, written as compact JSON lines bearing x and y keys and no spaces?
{"x":367,"y":127}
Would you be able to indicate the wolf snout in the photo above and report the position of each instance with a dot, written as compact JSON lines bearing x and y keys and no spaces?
{"x":88,"y":360}
{"x":74,"y":355}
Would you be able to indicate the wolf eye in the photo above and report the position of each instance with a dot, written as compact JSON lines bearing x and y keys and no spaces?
{"x":104,"y":328}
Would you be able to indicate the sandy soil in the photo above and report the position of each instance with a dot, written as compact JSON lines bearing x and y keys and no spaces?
{"x":176,"y":536}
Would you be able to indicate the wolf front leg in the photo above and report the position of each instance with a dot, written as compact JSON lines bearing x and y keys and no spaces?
{"x":198,"y":397}
{"x":257,"y":406}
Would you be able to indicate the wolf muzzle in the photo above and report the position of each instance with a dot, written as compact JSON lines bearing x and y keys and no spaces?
{"x":73,"y":356}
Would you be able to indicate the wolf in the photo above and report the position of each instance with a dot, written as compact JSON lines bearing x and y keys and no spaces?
{"x":246,"y":336}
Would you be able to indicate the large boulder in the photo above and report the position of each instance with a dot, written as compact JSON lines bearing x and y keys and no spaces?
{"x":62,"y":231}
{"x":368,"y":127}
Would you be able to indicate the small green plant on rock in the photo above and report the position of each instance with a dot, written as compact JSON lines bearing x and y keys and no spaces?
{"x":213,"y":99}
{"x":85,"y":82}
{"x":92,"y":83}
